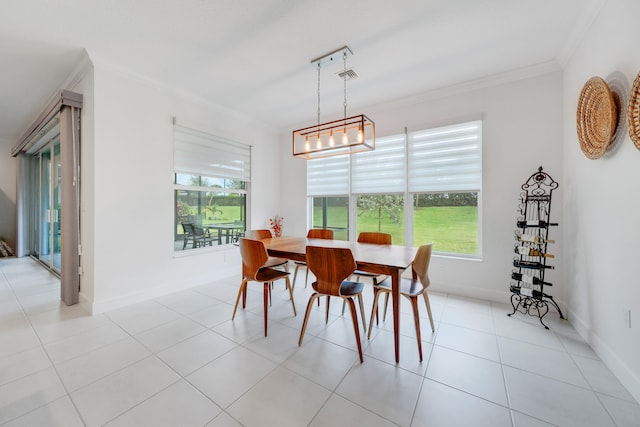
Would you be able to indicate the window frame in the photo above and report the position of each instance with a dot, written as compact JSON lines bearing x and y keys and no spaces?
{"x":204,"y":155}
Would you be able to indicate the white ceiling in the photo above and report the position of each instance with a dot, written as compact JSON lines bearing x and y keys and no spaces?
{"x":254,"y":56}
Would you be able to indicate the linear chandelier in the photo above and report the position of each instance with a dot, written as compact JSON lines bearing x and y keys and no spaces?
{"x":338,"y":137}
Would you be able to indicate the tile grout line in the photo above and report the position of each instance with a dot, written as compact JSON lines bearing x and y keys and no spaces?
{"x":502,"y":370}
{"x":53,"y":365}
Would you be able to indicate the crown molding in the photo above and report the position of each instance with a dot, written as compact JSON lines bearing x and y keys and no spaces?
{"x":498,"y":79}
{"x":118,"y":69}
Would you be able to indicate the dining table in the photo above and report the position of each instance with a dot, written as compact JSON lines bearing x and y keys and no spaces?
{"x":390,"y":260}
{"x":229,"y":229}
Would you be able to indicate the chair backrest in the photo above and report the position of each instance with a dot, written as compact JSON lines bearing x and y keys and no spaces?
{"x":420,"y":264}
{"x":258,"y":234}
{"x":188,"y":228}
{"x":320,"y":233}
{"x":254,"y":255}
{"x":330,"y":266}
{"x":374,"y":237}
{"x":198,"y":231}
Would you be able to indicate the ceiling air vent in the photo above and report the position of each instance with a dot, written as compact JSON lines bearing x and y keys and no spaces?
{"x":348,"y":74}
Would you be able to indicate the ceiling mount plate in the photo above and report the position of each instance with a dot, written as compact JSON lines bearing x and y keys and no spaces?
{"x":332,"y":57}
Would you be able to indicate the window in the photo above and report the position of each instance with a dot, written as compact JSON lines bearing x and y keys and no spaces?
{"x":435,"y":173}
{"x":445,"y":178}
{"x":211,"y":181}
{"x":332,"y":213}
{"x":328,"y":178}
{"x":378,"y":181}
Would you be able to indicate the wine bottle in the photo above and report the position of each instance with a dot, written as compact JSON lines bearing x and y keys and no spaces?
{"x":535,"y":223}
{"x":530,"y":264}
{"x":525,"y":278}
{"x":533,"y":293}
{"x":525,"y":250}
{"x":524,"y":237}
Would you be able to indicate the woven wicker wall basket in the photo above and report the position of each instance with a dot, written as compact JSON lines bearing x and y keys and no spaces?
{"x":596,"y":117}
{"x":633,"y":113}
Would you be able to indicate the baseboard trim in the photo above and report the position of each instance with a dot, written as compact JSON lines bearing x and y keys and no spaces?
{"x":620,"y":369}
{"x":101,"y":306}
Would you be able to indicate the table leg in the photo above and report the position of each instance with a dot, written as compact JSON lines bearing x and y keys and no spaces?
{"x":395,"y":302}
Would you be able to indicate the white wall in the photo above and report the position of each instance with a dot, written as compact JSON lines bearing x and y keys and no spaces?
{"x":602,"y":203}
{"x":128,"y":199}
{"x":87,"y":166}
{"x":7,"y":194}
{"x":522,"y":129}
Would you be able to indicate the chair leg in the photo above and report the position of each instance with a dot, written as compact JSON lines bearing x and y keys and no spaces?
{"x":266,"y":294}
{"x":364,"y":320}
{"x":426,"y":301}
{"x":244,"y":297}
{"x":326,"y":320}
{"x":306,"y":277}
{"x":356,"y":329}
{"x":374,"y":310}
{"x":306,"y":317}
{"x":295,"y":275}
{"x":241,"y":292}
{"x":386,"y":303}
{"x":291,"y":294}
{"x":416,"y":318}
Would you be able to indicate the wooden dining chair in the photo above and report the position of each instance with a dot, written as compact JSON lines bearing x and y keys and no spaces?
{"x":411,"y":289}
{"x":266,"y":234}
{"x":314,"y":233}
{"x":254,"y":256}
{"x":332,"y":266}
{"x":375,"y":238}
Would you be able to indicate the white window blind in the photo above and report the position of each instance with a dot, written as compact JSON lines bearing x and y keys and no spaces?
{"x":446,"y":159}
{"x":381,"y":170}
{"x":328,"y":176}
{"x":200,"y":153}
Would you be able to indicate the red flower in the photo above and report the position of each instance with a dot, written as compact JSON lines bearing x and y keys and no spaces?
{"x":275,"y":224}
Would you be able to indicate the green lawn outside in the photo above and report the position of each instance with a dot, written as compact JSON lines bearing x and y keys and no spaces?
{"x":450,"y":228}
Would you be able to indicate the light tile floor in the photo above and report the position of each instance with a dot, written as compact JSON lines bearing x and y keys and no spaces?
{"x":179,"y":360}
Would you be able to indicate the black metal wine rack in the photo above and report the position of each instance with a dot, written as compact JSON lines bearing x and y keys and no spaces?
{"x":528,"y":284}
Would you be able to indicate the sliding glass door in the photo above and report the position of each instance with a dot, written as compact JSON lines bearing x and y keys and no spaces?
{"x":48,"y":210}
{"x":48,"y":179}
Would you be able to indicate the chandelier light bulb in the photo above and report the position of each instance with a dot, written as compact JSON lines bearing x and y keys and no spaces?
{"x":360,"y":135}
{"x":331,"y":140}
{"x":345,"y":138}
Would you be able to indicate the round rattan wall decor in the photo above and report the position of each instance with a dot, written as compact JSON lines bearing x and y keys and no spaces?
{"x":633,"y":113}
{"x":597,"y":118}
